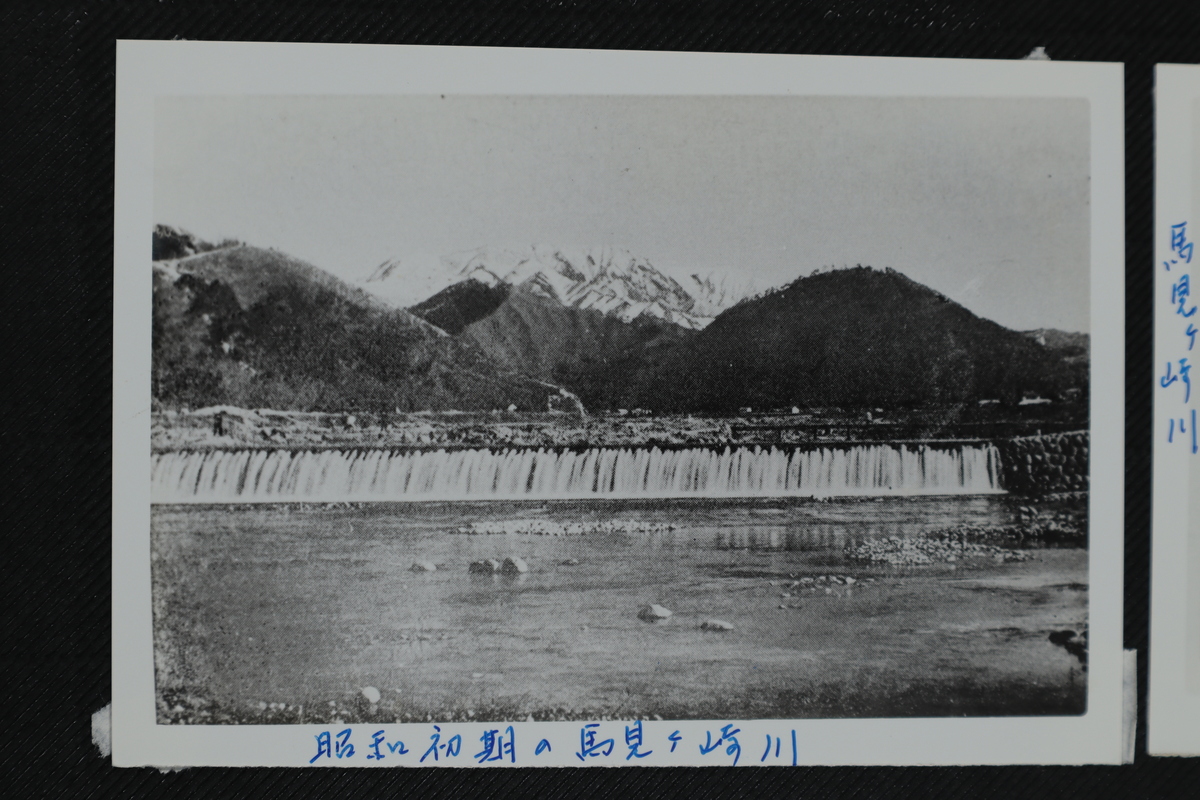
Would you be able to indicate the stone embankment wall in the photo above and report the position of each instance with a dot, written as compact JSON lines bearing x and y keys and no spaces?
{"x":1055,"y":462}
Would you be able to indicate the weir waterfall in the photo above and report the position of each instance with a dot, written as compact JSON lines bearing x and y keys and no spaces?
{"x":283,"y":476}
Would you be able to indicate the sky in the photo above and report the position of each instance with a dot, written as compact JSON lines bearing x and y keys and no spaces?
{"x":984,"y":200}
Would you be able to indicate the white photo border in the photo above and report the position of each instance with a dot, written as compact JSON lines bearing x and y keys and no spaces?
{"x":1173,"y":711}
{"x":150,"y":69}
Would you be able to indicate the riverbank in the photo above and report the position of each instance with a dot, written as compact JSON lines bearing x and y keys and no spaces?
{"x":233,"y":428}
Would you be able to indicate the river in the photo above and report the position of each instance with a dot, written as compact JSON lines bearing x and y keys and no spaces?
{"x":284,"y":613}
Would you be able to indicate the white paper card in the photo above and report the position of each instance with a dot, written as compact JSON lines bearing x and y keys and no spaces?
{"x":485,"y":407}
{"x":1175,"y":569}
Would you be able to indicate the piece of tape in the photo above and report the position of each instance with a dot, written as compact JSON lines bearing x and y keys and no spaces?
{"x":102,"y":731}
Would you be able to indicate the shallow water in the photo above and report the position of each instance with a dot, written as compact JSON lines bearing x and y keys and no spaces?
{"x":304,"y":607}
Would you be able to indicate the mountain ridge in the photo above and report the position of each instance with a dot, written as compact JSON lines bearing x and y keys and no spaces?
{"x":548,"y":341}
{"x":249,"y":327}
{"x":254,"y":327}
{"x":851,"y":337}
{"x":607,"y":279}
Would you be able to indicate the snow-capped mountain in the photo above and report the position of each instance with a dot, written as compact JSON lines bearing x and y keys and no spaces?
{"x":715,"y":293}
{"x":609,"y":280}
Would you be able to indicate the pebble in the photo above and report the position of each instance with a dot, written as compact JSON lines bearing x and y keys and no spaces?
{"x":653,"y":613}
{"x":371,"y":693}
{"x":514,"y":565}
{"x":546,"y":527}
{"x":947,"y":547}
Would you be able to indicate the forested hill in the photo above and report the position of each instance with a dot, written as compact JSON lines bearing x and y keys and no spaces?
{"x":854,"y":337}
{"x":256,"y":328}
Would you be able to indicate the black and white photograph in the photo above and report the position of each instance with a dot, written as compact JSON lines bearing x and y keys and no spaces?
{"x":484,"y":408}
{"x":619,"y":409}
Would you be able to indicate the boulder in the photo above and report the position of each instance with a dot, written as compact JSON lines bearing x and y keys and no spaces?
{"x":371,"y":693}
{"x":716,"y":625}
{"x":514,"y":565}
{"x":653,"y":613}
{"x":423,"y":566}
{"x":570,"y":562}
{"x":487,"y":567}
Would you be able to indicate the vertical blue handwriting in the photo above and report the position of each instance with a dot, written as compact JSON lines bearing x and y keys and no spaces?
{"x":1180,"y":244}
{"x":1183,"y":375}
{"x":1181,"y":290}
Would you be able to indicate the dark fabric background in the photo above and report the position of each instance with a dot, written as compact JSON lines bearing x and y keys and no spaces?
{"x":56,"y":317}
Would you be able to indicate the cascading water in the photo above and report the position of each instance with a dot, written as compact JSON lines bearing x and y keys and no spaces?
{"x":279,"y":476}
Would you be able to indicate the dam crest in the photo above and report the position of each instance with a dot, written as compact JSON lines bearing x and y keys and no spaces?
{"x":364,"y":475}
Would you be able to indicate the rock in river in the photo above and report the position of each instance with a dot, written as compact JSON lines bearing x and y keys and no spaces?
{"x":423,"y":566}
{"x":488,"y":566}
{"x":716,"y":625}
{"x":653,"y":613}
{"x":514,"y":565}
